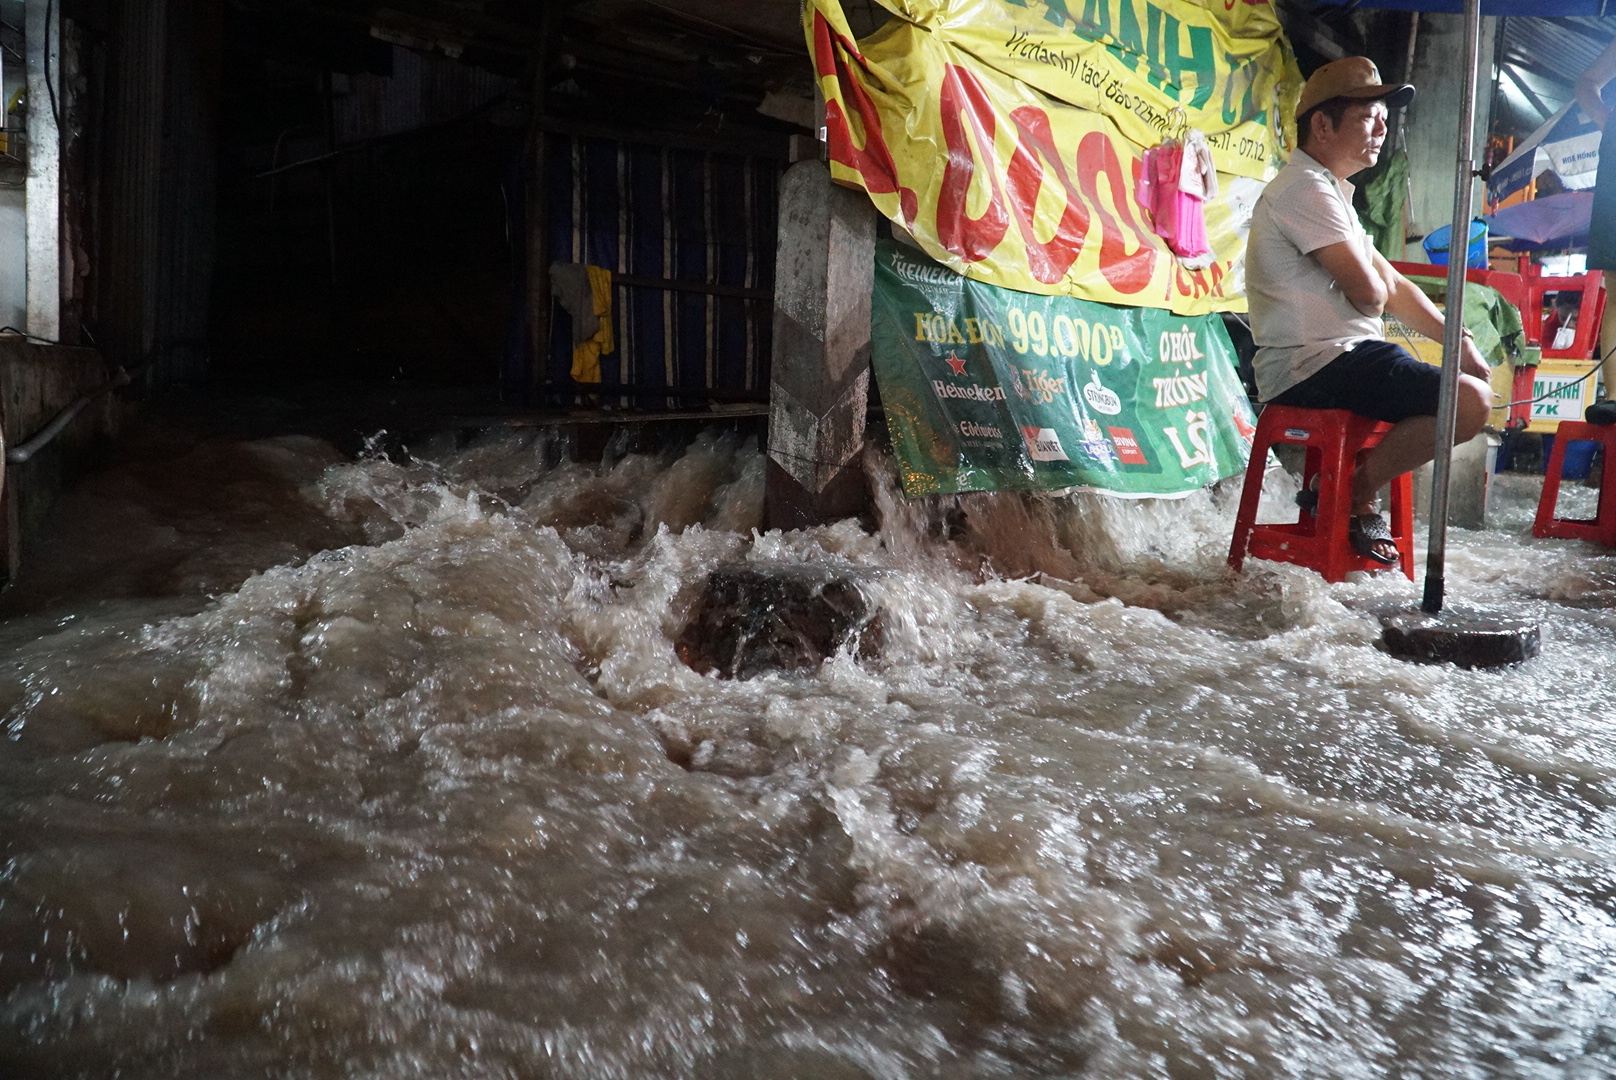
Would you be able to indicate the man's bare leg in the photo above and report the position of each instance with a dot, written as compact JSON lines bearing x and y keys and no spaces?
{"x":1407,"y":446}
{"x":1411,"y":443}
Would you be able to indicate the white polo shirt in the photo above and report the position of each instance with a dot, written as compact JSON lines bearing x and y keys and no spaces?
{"x":1300,"y":318}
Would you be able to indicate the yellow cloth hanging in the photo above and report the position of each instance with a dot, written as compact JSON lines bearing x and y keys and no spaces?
{"x":586,"y":354}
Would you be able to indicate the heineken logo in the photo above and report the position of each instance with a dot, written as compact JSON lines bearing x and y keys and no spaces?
{"x":971,"y":392}
{"x":924,"y":273}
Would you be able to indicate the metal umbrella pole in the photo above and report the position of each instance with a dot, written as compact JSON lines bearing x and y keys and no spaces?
{"x":1458,"y":257}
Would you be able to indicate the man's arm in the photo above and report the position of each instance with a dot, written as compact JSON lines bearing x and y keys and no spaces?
{"x":1600,"y":72}
{"x":1358,"y":279}
{"x":1409,"y":305}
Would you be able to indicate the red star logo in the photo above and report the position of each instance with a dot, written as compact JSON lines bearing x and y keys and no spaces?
{"x":955,"y":362}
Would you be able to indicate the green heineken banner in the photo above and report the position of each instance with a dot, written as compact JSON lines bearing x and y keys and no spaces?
{"x":989,"y":389}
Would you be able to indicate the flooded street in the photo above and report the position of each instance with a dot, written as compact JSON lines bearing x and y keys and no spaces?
{"x":321,"y":768}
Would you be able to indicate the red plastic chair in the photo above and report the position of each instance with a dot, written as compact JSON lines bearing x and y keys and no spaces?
{"x":1601,"y":529}
{"x":1333,"y":439}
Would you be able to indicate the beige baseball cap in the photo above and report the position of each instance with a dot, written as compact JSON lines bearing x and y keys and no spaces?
{"x":1351,"y":77}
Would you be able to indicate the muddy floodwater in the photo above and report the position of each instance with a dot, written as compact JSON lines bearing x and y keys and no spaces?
{"x":388,"y":769}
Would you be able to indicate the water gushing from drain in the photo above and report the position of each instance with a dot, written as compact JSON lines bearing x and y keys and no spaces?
{"x":440,"y":798}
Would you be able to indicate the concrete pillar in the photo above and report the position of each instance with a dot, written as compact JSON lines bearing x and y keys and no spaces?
{"x":1433,"y":120}
{"x":1469,"y":482}
{"x":820,"y":382}
{"x":44,"y":190}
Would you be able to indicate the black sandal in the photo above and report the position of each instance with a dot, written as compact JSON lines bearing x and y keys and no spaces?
{"x":1364,"y":531}
{"x":1308,"y":498}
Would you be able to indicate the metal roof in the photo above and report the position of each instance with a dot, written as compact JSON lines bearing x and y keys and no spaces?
{"x":1539,"y":62}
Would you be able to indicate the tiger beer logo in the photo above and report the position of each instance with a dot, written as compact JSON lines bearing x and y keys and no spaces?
{"x":1039,"y":386}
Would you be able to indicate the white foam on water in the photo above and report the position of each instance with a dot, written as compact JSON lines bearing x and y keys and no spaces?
{"x":409,"y":804}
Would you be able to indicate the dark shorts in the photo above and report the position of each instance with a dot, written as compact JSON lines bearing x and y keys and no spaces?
{"x":1377,"y":379}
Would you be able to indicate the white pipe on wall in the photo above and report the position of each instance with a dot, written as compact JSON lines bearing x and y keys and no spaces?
{"x":43,"y":29}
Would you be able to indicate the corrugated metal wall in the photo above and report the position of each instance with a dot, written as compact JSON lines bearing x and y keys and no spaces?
{"x":187,"y":202}
{"x":126,"y":271}
{"x":683,"y":217}
{"x":421,"y":90}
{"x":154,"y":271}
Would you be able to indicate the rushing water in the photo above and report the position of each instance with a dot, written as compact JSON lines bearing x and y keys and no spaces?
{"x":367,"y":769}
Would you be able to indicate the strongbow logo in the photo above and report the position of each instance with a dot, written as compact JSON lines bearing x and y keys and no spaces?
{"x":1179,"y":347}
{"x":1128,"y":451}
{"x":1100,"y":399}
{"x":1043,"y":444}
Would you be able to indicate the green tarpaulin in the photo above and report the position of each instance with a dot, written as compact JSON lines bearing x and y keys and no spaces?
{"x":1385,"y":196}
{"x":1494,"y":322}
{"x":991,"y":389}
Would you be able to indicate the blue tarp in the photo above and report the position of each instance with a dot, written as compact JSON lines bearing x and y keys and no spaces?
{"x":1553,"y":222}
{"x":1567,"y":143}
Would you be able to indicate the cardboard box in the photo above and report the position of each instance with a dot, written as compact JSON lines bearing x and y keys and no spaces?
{"x":1566,"y":396}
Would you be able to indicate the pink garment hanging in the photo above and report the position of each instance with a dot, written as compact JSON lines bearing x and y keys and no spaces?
{"x":1197,"y":182}
{"x":1158,"y":188}
{"x":1145,"y":188}
{"x":1197,"y":174}
{"x":1175,"y":180}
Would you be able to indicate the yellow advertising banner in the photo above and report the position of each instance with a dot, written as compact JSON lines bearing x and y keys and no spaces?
{"x":1009,"y":184}
{"x":1151,"y":66}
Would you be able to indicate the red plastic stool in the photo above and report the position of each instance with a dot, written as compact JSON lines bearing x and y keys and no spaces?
{"x":1601,"y":529}
{"x":1333,"y":439}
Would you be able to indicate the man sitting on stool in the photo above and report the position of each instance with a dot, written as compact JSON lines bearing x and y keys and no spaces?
{"x":1317,"y":288}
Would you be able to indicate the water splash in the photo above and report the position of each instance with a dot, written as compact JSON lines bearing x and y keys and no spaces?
{"x":434,"y":796}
